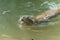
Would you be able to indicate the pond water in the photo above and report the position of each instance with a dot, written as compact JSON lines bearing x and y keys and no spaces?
{"x":12,"y":10}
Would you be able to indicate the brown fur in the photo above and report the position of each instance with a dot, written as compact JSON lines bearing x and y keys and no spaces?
{"x":43,"y":16}
{"x":46,"y":15}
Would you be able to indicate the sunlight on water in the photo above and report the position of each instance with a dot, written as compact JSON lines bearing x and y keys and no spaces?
{"x":11,"y":11}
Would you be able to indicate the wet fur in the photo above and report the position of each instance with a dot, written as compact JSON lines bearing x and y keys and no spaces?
{"x":40,"y":18}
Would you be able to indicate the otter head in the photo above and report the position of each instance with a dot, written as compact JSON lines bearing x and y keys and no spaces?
{"x":26,"y":20}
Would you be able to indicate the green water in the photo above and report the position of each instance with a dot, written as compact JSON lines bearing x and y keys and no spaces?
{"x":10,"y":12}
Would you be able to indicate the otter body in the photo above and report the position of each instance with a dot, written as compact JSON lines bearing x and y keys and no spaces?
{"x":46,"y":15}
{"x":42,"y":17}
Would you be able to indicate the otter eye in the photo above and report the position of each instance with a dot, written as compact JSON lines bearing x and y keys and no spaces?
{"x":22,"y":20}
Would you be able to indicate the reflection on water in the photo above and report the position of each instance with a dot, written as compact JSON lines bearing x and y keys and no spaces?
{"x":10,"y":11}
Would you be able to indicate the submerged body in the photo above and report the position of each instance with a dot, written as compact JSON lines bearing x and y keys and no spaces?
{"x":46,"y":15}
{"x":41,"y":17}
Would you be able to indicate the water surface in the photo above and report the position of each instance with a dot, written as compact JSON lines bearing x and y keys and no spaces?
{"x":12,"y":10}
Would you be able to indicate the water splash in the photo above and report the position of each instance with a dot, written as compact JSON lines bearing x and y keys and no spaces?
{"x":4,"y":12}
{"x":53,"y":5}
{"x":44,"y":3}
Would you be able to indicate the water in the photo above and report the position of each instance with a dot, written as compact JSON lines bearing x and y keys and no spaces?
{"x":10,"y":12}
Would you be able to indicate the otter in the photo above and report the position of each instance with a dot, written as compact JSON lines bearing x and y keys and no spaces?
{"x":41,"y":17}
